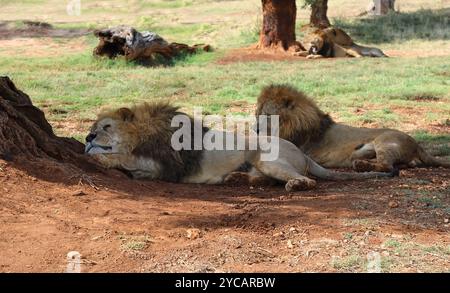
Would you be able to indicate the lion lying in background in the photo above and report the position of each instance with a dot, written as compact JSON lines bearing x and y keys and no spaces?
{"x":334,"y":42}
{"x":138,"y":140}
{"x":335,"y":145}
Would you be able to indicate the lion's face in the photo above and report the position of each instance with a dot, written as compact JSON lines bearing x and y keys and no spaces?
{"x":297,"y":114}
{"x":112,"y":135}
{"x":276,"y":102}
{"x":316,"y":45}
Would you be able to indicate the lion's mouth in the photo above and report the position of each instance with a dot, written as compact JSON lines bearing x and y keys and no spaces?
{"x":313,"y":50}
{"x":92,"y":148}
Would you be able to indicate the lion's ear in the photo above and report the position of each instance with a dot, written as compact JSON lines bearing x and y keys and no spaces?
{"x":126,"y":114}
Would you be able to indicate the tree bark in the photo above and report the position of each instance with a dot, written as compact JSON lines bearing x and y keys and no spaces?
{"x":26,"y":136}
{"x":319,"y":16}
{"x":278,"y":28}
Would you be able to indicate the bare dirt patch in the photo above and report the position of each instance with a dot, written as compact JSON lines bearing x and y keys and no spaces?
{"x":256,"y":55}
{"x":119,"y":224}
{"x":41,"y":47}
{"x":37,"y":29}
{"x":37,"y":39}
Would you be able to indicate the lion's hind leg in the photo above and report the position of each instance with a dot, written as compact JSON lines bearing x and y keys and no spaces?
{"x":387,"y":158}
{"x":363,"y":158}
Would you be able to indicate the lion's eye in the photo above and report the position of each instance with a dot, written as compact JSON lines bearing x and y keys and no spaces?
{"x":106,"y":127}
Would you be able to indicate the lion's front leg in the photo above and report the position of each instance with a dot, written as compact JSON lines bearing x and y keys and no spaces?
{"x":301,"y":183}
{"x":108,"y":161}
{"x":301,"y":54}
{"x":313,"y":56}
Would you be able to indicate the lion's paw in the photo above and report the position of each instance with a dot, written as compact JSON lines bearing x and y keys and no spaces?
{"x":300,"y":184}
{"x":362,"y":166}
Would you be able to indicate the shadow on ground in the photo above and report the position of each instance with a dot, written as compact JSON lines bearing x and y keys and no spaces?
{"x":423,"y":24}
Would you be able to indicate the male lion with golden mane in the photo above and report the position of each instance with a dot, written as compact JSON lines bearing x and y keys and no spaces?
{"x":335,"y":145}
{"x":139,"y":141}
{"x":334,"y":42}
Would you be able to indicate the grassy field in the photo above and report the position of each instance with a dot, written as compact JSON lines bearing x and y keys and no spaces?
{"x":410,"y":92}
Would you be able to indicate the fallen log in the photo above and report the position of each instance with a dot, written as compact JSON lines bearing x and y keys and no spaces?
{"x":140,"y":46}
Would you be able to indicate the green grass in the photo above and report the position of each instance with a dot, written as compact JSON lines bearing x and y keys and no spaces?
{"x":423,"y":24}
{"x":198,"y":79}
{"x":80,"y":83}
{"x":351,"y":263}
{"x":134,"y":243}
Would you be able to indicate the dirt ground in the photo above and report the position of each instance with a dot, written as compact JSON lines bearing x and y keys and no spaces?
{"x":253,"y":55}
{"x":124,"y":225}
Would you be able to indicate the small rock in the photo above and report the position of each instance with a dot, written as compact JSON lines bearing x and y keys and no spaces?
{"x":96,"y":238}
{"x":79,"y":193}
{"x":289,"y":244}
{"x":311,"y":253}
{"x":393,"y":204}
{"x":446,"y":221}
{"x":193,"y":233}
{"x":278,"y":234}
{"x":292,"y":230}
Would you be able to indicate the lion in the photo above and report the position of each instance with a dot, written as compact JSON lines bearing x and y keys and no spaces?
{"x":334,"y":42}
{"x":138,"y":140}
{"x":336,"y":145}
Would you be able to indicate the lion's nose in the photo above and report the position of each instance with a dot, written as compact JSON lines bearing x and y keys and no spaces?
{"x":91,"y":137}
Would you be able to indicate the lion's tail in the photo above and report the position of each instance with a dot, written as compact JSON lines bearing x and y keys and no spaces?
{"x":430,"y":161}
{"x":323,"y":173}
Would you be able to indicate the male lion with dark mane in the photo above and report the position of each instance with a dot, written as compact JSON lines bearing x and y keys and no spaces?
{"x":334,"y":42}
{"x":335,"y":145}
{"x":139,"y":140}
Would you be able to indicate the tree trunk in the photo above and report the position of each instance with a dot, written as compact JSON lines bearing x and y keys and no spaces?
{"x":381,"y":7}
{"x":278,"y":28}
{"x":26,"y":136}
{"x":319,"y":16}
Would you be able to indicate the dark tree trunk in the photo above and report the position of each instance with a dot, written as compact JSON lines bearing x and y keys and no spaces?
{"x":26,"y":136}
{"x":278,"y":28}
{"x":319,"y":16}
